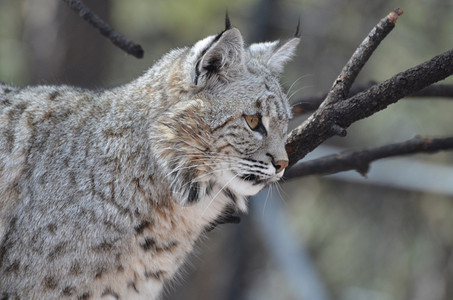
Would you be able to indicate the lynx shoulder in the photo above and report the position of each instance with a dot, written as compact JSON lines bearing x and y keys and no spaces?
{"x":104,"y":193}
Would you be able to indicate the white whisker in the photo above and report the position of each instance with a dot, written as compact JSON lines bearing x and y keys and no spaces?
{"x":197,"y":179}
{"x":267,"y":197}
{"x":279,"y":193}
{"x":298,"y":90}
{"x":301,"y":77}
{"x":223,"y":187}
{"x":214,"y":171}
{"x":194,"y":166}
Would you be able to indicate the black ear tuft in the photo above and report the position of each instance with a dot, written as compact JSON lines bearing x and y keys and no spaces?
{"x":227,"y":21}
{"x":297,"y":33}
{"x":224,"y":52}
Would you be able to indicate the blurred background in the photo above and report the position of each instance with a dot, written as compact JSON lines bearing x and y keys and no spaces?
{"x":389,"y":236}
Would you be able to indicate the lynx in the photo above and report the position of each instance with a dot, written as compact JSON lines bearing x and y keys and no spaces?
{"x":104,"y":193}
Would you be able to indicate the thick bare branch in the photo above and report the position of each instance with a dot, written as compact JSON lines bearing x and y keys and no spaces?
{"x":360,"y":160}
{"x":116,"y":38}
{"x":335,"y":113}
{"x":319,"y":126}
{"x":311,"y":103}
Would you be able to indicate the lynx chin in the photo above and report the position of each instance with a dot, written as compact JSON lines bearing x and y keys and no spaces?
{"x":104,"y":193}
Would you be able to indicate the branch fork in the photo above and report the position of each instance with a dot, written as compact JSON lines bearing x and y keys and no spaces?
{"x":337,"y":112}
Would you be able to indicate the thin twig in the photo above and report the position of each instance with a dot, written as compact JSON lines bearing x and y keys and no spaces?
{"x":116,"y":38}
{"x":343,"y":83}
{"x":311,"y":103}
{"x":360,"y":160}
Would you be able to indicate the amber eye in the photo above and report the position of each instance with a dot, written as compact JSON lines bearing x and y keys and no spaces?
{"x":253,"y":121}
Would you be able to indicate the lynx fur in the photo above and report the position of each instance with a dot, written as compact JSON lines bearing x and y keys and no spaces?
{"x":104,"y":193}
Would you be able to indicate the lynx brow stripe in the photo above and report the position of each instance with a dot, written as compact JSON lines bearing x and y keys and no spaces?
{"x":259,"y":104}
{"x":280,"y":109}
{"x":233,"y":134}
{"x":222,"y":125}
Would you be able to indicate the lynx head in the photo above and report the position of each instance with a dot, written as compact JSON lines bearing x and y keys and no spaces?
{"x":231,"y":130}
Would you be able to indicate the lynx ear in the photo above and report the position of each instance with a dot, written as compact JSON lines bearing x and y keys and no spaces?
{"x":274,"y":55}
{"x":222,"y":53}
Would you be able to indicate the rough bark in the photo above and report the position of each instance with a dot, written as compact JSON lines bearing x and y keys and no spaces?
{"x":311,"y":103}
{"x":324,"y":123}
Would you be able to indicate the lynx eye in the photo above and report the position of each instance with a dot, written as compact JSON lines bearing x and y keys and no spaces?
{"x":253,"y":121}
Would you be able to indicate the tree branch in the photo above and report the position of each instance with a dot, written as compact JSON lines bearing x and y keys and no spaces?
{"x":116,"y":38}
{"x":360,"y":160}
{"x":334,"y":114}
{"x":342,"y":84}
{"x":311,"y":103}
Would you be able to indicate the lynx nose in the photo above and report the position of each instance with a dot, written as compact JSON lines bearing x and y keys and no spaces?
{"x":280,"y":165}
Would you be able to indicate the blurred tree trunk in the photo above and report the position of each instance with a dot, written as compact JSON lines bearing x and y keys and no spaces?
{"x":64,"y":49}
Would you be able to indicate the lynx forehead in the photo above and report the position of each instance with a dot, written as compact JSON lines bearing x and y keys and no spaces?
{"x":103,"y":194}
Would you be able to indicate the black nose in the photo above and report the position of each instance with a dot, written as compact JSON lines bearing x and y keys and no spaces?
{"x":280,"y":165}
